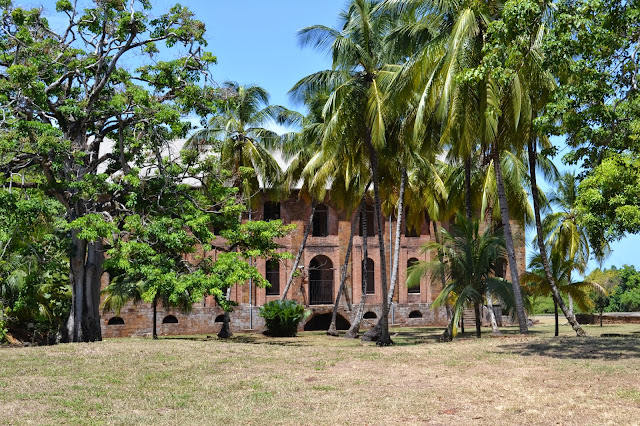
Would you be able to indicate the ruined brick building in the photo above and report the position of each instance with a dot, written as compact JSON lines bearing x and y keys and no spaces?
{"x":318,"y":282}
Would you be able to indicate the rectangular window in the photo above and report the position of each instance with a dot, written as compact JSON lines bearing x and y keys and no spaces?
{"x":273,"y":276}
{"x":271,"y":211}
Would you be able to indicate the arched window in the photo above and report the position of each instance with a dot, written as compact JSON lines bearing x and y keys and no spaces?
{"x":320,"y":281}
{"x":410,"y":230}
{"x":170,"y":319}
{"x":273,"y":276}
{"x":370,"y":214}
{"x":415,"y":314}
{"x":320,"y":226}
{"x":219,"y":318}
{"x":115,"y":321}
{"x":271,"y":211}
{"x":501,"y":268}
{"x":371,"y":284}
{"x":410,"y":263}
{"x":370,"y":315}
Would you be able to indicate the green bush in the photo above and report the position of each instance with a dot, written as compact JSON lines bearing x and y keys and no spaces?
{"x":282,"y":317}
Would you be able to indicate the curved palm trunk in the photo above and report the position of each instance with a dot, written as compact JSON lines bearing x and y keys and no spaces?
{"x":447,"y":335}
{"x":376,"y":331}
{"x":299,"y":255}
{"x":343,"y":278}
{"x":543,"y":250}
{"x":508,"y":237}
{"x":555,"y":309}
{"x":467,"y":188}
{"x":492,"y":315}
{"x":352,"y":333}
{"x":476,"y":307}
{"x":381,"y":334}
{"x":396,"y":251}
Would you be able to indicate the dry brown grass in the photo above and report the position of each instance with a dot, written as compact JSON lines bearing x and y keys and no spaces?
{"x":314,"y":379}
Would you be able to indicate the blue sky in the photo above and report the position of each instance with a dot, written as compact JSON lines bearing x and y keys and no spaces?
{"x":255,"y":42}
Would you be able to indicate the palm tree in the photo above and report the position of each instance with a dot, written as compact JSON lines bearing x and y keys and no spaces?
{"x":469,"y":264}
{"x":473,"y":112}
{"x":355,"y":111}
{"x":538,"y":284}
{"x":238,"y":133}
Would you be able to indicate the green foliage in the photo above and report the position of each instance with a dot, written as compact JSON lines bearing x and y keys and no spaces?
{"x":282,"y":317}
{"x":623,"y":289}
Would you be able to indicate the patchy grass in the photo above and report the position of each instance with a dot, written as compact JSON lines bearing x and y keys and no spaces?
{"x":314,"y":379}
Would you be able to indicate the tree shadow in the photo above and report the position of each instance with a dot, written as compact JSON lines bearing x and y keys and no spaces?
{"x":253,"y":339}
{"x":598,"y":348}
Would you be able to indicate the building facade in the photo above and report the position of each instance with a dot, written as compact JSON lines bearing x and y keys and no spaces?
{"x":317,"y":283}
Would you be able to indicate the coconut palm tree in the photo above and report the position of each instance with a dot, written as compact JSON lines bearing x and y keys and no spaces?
{"x":538,"y":284}
{"x":355,"y":110}
{"x":469,"y":264}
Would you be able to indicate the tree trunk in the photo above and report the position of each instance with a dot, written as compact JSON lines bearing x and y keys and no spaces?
{"x":488,"y":220}
{"x":86,"y":268}
{"x":379,"y":334}
{"x":541,"y":246}
{"x":462,"y":321}
{"x":352,"y":333}
{"x":508,"y":237}
{"x":155,"y":317}
{"x":601,"y":318}
{"x":467,"y":188}
{"x":555,"y":309}
{"x":476,"y":307}
{"x":570,"y":300}
{"x":343,"y":278}
{"x":492,"y":316}
{"x":299,"y":255}
{"x":225,"y":331}
{"x":447,"y":335}
{"x":396,"y":251}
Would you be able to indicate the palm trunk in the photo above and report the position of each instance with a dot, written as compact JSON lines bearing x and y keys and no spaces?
{"x":476,"y":307}
{"x":508,"y":237}
{"x":396,"y":251}
{"x":492,"y":315}
{"x":447,"y":335}
{"x":543,"y":250}
{"x":343,"y":278}
{"x":467,"y":188}
{"x":555,"y":309}
{"x":352,"y":333}
{"x":379,"y":334}
{"x":155,"y":317}
{"x":299,"y":255}
{"x":85,"y":263}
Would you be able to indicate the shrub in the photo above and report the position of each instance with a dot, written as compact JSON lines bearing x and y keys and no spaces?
{"x":282,"y":317}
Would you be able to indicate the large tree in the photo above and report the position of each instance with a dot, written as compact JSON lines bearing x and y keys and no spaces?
{"x":82,"y":122}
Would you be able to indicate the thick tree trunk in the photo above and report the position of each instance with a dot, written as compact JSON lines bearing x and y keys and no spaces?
{"x":353,"y":331}
{"x":86,"y":268}
{"x":343,"y":278}
{"x":296,"y":262}
{"x":541,"y":246}
{"x":155,"y":317}
{"x":508,"y":237}
{"x":379,"y":334}
{"x":476,"y":307}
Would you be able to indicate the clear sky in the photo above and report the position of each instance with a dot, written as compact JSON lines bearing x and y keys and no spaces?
{"x":255,"y":42}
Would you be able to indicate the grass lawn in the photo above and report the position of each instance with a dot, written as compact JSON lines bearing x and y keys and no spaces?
{"x":314,"y":379}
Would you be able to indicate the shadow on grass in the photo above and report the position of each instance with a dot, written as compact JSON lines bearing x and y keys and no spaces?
{"x":254,"y":339}
{"x":600,"y":348}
